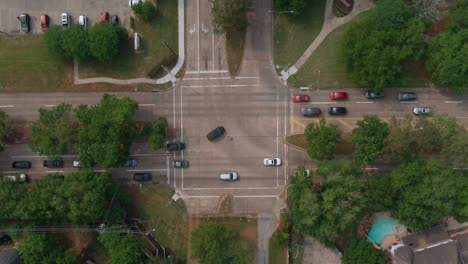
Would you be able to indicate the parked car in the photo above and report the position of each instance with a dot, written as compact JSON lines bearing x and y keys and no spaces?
{"x":25,"y":22}
{"x":309,"y":112}
{"x":76,"y":164}
{"x":374,"y":95}
{"x":114,"y":20}
{"x":337,"y":110}
{"x":24,"y":164}
{"x":130,"y":163}
{"x":142,"y":176}
{"x":19,"y":177}
{"x":83,"y":21}
{"x":338,"y":95}
{"x":406,"y":96}
{"x":104,"y":16}
{"x":180,"y":164}
{"x":65,"y":20}
{"x":298,"y":98}
{"x":175,"y":146}
{"x":272,"y":162}
{"x":53,"y":163}
{"x":215,"y":133}
{"x":306,"y":173}
{"x":134,"y":2}
{"x":44,"y":22}
{"x":229,"y":176}
{"x":422,"y":110}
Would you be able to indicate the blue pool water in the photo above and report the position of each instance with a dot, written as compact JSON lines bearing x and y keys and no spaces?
{"x":381,"y":228}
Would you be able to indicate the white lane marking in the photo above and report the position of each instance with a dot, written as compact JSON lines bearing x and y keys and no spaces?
{"x":235,"y":196}
{"x":202,"y":72}
{"x":51,"y":105}
{"x":146,"y":104}
{"x":198,"y":33}
{"x":11,"y":171}
{"x":221,"y":86}
{"x":148,"y":170}
{"x":73,"y":156}
{"x":53,"y":171}
{"x":6,"y":106}
{"x":409,"y":102}
{"x":192,"y":30}
{"x":454,"y":102}
{"x":204,"y":29}
{"x":322,"y":102}
{"x":365,"y":102}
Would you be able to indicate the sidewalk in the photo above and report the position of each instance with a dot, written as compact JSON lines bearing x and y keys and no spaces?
{"x":170,"y":77}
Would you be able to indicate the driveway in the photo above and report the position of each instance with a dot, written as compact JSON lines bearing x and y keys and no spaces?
{"x":316,"y":253}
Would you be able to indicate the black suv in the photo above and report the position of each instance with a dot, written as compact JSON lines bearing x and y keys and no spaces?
{"x":53,"y":163}
{"x":24,"y":20}
{"x":175,"y":146}
{"x":24,"y":164}
{"x":404,"y":96}
{"x":216,"y":133}
{"x":142,"y":176}
{"x":337,"y":110}
{"x":309,"y":112}
{"x":374,"y":95}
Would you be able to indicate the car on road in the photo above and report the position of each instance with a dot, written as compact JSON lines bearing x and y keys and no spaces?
{"x":272,"y":162}
{"x":406,"y":96}
{"x":215,"y":133}
{"x":44,"y":22}
{"x":142,"y":176}
{"x":309,"y":112}
{"x":180,"y":164}
{"x":23,"y":164}
{"x":337,"y":110}
{"x":104,"y":16}
{"x":134,"y":2}
{"x":53,"y":163}
{"x":114,"y":20}
{"x":25,"y":22}
{"x":130,"y":163}
{"x":229,"y":176}
{"x":175,"y":146}
{"x":298,"y":98}
{"x":338,"y":95}
{"x":65,"y":20}
{"x":19,"y":177}
{"x":374,"y":95}
{"x":76,"y":164}
{"x":83,"y":21}
{"x":422,"y":111}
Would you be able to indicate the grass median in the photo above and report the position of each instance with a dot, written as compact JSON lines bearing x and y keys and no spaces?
{"x":235,"y":50}
{"x":277,"y":253}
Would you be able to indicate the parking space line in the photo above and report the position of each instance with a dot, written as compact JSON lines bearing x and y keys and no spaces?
{"x":410,"y":102}
{"x":146,"y":105}
{"x":365,"y":102}
{"x":148,"y":170}
{"x":221,"y":86}
{"x":453,"y":102}
{"x":235,"y":196}
{"x":53,"y":171}
{"x":206,"y":72}
{"x":322,"y":102}
{"x":51,"y":105}
{"x":7,"y":106}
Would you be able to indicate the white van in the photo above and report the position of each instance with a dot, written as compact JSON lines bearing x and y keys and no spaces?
{"x":83,"y":21}
{"x":20,"y":177}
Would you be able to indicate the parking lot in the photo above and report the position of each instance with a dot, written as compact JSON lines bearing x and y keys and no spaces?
{"x":11,"y":9}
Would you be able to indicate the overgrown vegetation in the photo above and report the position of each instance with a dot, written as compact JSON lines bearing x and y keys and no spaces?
{"x":296,"y":6}
{"x":6,"y":130}
{"x":43,"y":248}
{"x":321,"y":139}
{"x":145,"y":10}
{"x":122,"y":248}
{"x":368,"y":138}
{"x":158,"y":133}
{"x":361,"y":251}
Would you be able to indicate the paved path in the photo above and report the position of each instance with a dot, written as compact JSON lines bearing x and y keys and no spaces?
{"x":267,"y":224}
{"x":169,"y":77}
{"x":316,"y":253}
{"x":330,"y":23}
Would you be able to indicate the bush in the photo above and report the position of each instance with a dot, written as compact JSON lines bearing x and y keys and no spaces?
{"x":145,"y":10}
{"x":158,"y":133}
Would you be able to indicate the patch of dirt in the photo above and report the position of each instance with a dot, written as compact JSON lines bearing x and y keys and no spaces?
{"x":23,"y":131}
{"x":225,"y":204}
{"x":421,"y":70}
{"x":344,"y":147}
{"x":79,"y":241}
{"x":437,"y":27}
{"x":249,"y":233}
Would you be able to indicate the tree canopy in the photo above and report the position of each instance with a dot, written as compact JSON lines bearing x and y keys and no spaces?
{"x":53,"y":40}
{"x":55,"y":131}
{"x":321,"y":139}
{"x":122,"y":248}
{"x":158,"y":133}
{"x":360,"y":251}
{"x":74,"y":42}
{"x":41,"y":248}
{"x":106,"y":130}
{"x":6,"y":130}
{"x":368,"y":138}
{"x":145,"y":10}
{"x":105,"y":40}
{"x":230,"y":15}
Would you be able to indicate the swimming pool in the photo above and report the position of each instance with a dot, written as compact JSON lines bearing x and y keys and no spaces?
{"x":381,"y":228}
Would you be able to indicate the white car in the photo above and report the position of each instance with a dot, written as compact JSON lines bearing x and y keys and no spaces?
{"x":65,"y":20}
{"x":83,"y":21}
{"x":422,"y":111}
{"x":229,"y":176}
{"x":76,"y":164}
{"x":17,"y":177}
{"x":272,"y":162}
{"x":134,"y":2}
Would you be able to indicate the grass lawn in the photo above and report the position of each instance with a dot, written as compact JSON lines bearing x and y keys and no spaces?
{"x":277,"y":253}
{"x":150,"y":203}
{"x":234,"y":51}
{"x":131,"y":65}
{"x":297,"y":140}
{"x":333,"y":74}
{"x":292,"y":35}
{"x":26,"y":65}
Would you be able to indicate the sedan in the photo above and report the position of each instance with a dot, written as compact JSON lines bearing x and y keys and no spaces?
{"x":65,"y":20}
{"x":272,"y":162}
{"x":180,"y":164}
{"x":310,"y":112}
{"x":53,"y":163}
{"x":130,"y":163}
{"x":24,"y":21}
{"x":114,"y":20}
{"x":44,"y":22}
{"x":422,"y":111}
{"x":300,"y":98}
{"x":104,"y":16}
{"x":134,"y":2}
{"x":24,"y":164}
{"x":337,"y":110}
{"x":338,"y":95}
{"x":175,"y":146}
{"x":374,"y":95}
{"x":142,"y":176}
{"x":229,"y":176}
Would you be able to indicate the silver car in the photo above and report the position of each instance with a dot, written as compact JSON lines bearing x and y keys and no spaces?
{"x":65,"y":20}
{"x":229,"y":176}
{"x":83,"y":21}
{"x":422,"y":111}
{"x":272,"y":162}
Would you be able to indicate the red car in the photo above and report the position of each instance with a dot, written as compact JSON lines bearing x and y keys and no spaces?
{"x":104,"y":16}
{"x":338,"y":95}
{"x":44,"y":22}
{"x":300,"y":98}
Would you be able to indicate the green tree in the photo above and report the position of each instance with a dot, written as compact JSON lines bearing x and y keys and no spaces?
{"x":55,"y":131}
{"x":6,"y":130}
{"x":40,"y":248}
{"x":122,"y":248}
{"x":106,"y":130}
{"x":400,"y":144}
{"x":230,"y":15}
{"x":145,"y":10}
{"x":74,"y":41}
{"x":427,"y":191}
{"x":379,"y":193}
{"x":321,"y":139}
{"x":360,"y":251}
{"x":53,"y":40}
{"x":158,"y":133}
{"x":104,"y":41}
{"x":457,"y":19}
{"x":11,"y":195}
{"x":368,"y":138}
{"x":456,"y":148}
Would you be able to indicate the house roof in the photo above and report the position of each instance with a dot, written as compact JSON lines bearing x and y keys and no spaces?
{"x":9,"y":256}
{"x":446,"y":253}
{"x":425,"y":239}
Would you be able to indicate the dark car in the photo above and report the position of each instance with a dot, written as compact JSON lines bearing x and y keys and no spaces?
{"x":142,"y":176}
{"x":53,"y":163}
{"x":216,"y":133}
{"x":180,"y":164}
{"x":308,"y":112}
{"x":130,"y":163}
{"x":24,"y":164}
{"x":373,"y":95}
{"x":404,"y":96}
{"x":175,"y":146}
{"x":24,"y":20}
{"x":337,"y":110}
{"x":114,"y":20}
